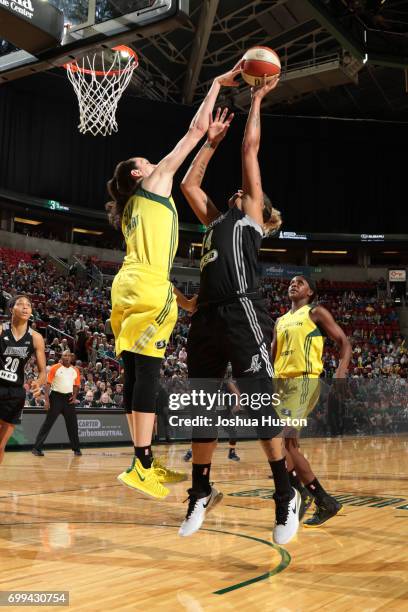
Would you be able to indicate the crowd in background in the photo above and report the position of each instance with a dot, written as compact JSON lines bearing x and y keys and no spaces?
{"x":71,"y":312}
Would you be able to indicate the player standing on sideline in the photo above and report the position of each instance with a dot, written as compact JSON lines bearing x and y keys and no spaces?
{"x":17,"y":344}
{"x":64,"y":380}
{"x":232,"y":322}
{"x":297,"y":352}
{"x":144,"y":309}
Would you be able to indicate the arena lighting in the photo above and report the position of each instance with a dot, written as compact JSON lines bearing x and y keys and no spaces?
{"x":390,"y":252}
{"x":275,"y":250}
{"x":27,"y":221}
{"x":80,"y":230}
{"x":330,"y":252}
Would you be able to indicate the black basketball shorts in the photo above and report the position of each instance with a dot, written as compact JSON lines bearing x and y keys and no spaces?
{"x":239,"y":333}
{"x":12,"y":400}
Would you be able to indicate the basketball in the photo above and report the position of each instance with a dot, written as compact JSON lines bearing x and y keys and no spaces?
{"x":258,"y":62}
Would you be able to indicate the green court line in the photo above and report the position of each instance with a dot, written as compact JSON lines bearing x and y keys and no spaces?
{"x":284,"y":562}
{"x":241,"y":507}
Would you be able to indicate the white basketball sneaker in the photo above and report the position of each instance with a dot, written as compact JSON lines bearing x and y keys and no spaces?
{"x":287,"y":519}
{"x":197,"y":509}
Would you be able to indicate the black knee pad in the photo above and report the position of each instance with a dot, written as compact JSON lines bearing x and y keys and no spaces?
{"x":142,"y":377}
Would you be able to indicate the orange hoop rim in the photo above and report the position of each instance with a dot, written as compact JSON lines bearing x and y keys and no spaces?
{"x":121,"y":48}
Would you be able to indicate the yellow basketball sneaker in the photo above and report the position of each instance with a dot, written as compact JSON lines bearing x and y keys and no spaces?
{"x":145,"y":480}
{"x":167,"y":475}
{"x":123,"y":474}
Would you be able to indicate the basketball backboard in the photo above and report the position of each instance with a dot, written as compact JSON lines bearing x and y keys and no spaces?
{"x":93,"y":23}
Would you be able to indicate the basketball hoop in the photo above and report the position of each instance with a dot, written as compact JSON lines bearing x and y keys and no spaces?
{"x":99,"y":81}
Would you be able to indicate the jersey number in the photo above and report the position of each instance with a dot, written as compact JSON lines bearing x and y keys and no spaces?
{"x":207,"y":243}
{"x":11,"y":364}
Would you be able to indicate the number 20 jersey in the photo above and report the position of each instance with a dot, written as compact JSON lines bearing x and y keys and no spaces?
{"x":14,"y":355}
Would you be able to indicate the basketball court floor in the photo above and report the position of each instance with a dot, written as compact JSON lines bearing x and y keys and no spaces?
{"x":67,"y":524}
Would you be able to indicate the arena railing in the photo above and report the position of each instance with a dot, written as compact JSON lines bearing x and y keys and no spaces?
{"x":59,"y":333}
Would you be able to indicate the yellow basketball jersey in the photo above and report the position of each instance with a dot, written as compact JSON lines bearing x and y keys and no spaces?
{"x":150,"y":228}
{"x":299,"y":345}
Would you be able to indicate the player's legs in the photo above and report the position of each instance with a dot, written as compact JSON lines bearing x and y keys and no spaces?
{"x":232,"y":444}
{"x":12,"y":401}
{"x":206,"y":365}
{"x":299,"y":397}
{"x":202,"y":496}
{"x":145,"y":372}
{"x":249,"y":333}
{"x":6,"y":429}
{"x":150,"y":319}
{"x":301,"y":473}
{"x":294,"y":474}
{"x":129,"y":419}
{"x":128,"y":384}
{"x":287,"y":499}
{"x":134,"y":368}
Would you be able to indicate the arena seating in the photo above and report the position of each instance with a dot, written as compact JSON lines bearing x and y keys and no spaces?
{"x":69,"y":312}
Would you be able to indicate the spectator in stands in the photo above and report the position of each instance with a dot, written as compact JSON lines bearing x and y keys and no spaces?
{"x":80,"y":323}
{"x":118,"y":396}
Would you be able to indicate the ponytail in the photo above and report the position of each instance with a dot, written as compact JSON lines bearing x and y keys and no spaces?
{"x":120,"y":188}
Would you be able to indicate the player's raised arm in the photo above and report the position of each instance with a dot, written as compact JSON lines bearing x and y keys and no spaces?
{"x":251,"y":174}
{"x":322,"y":317}
{"x":199,"y":201}
{"x":161,"y":179}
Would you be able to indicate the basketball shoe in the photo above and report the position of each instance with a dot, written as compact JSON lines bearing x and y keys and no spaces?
{"x":145,"y":480}
{"x":233,"y":455}
{"x":197,"y":509}
{"x":305,"y":503}
{"x":188,"y":455}
{"x":165,"y":474}
{"x":327,"y":508}
{"x":287,"y":519}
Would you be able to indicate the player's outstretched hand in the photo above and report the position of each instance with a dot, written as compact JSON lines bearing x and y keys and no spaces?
{"x":191,"y":305}
{"x":228,"y":78}
{"x":35,"y":388}
{"x":219,"y":126}
{"x":267,"y":87}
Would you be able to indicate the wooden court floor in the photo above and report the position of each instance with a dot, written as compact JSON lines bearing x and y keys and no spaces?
{"x":67,"y":524}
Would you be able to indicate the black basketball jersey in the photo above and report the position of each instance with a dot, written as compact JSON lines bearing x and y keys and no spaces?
{"x":229,"y":257}
{"x":14,"y":355}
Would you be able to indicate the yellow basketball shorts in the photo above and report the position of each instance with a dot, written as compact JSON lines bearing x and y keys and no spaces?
{"x":298,"y":397}
{"x":144,"y":311}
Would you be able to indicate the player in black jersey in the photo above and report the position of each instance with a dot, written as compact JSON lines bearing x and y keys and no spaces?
{"x":17,"y":344}
{"x":232,"y":322}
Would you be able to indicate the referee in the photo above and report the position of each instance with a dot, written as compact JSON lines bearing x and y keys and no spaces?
{"x":64,"y":381}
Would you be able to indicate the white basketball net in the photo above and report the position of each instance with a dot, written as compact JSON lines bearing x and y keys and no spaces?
{"x":99,"y":84}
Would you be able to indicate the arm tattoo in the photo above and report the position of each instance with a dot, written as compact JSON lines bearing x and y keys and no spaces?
{"x":201,"y":169}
